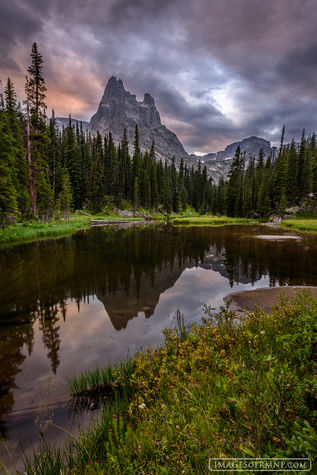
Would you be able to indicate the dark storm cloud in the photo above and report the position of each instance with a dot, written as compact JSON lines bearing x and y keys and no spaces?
{"x":219,"y":70}
{"x":17,"y":23}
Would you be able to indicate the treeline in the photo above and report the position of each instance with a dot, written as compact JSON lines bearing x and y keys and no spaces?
{"x":45,"y":173}
{"x":268,"y":186}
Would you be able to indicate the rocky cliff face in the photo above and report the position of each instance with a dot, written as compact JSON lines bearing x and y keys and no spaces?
{"x":119,"y":109}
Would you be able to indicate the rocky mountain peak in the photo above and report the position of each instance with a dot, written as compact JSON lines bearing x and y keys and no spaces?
{"x":148,"y":100}
{"x":218,"y":164}
{"x":114,"y":90}
{"x":119,"y":110}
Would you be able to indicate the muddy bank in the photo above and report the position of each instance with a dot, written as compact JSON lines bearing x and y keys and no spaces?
{"x":264,"y":298}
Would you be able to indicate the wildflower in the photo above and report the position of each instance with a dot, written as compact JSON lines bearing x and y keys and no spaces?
{"x":276,"y":439}
{"x":109,"y":430}
{"x":139,"y":447}
{"x":89,"y":462}
{"x":114,"y":416}
{"x":120,"y":415}
{"x":142,"y":406}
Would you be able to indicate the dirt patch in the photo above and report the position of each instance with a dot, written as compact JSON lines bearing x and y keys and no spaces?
{"x":264,"y":298}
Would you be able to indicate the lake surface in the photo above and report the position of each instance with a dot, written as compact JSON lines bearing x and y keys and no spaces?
{"x":83,"y":301}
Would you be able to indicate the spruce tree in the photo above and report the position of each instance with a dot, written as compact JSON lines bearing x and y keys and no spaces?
{"x":35,"y":90}
{"x":8,"y":192}
{"x":44,"y":197}
{"x":73,"y":162}
{"x":97,"y":176}
{"x":54,"y":155}
{"x":302,"y":168}
{"x":64,"y":200}
{"x":291,"y":184}
{"x":20,"y":172}
{"x":234,"y":191}
{"x":136,"y":193}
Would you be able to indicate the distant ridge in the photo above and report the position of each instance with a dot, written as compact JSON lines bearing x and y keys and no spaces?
{"x":218,"y":164}
{"x":63,"y":122}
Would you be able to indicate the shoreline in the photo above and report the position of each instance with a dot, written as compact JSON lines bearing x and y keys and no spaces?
{"x":175,"y":405}
{"x":263,"y":298}
{"x":27,"y":232}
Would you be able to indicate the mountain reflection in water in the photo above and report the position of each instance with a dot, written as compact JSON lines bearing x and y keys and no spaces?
{"x":58,"y":297}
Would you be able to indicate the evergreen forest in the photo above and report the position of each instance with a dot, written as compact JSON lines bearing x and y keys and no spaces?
{"x":46,"y":173}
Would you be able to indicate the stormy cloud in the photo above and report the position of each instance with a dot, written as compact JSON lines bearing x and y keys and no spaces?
{"x":219,"y":70}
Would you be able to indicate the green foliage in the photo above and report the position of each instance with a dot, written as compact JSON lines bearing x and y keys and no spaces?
{"x":97,"y":177}
{"x":16,"y":125}
{"x":234,"y":190}
{"x":45,"y":202}
{"x":229,"y":387}
{"x":64,"y":200}
{"x":35,"y":157}
{"x":8,"y":190}
{"x":301,"y":224}
{"x":35,"y":90}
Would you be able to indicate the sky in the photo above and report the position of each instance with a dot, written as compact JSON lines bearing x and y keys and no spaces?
{"x":219,"y":70}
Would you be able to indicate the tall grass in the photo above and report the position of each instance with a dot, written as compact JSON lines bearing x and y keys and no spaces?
{"x":218,"y":389}
{"x":209,"y":220}
{"x":29,"y":231}
{"x":301,"y":224}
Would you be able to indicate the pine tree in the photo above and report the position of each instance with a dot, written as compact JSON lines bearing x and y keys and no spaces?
{"x":279,"y":178}
{"x":314,"y":162}
{"x":291,"y":184}
{"x":234,"y":191}
{"x":126,"y":166}
{"x":73,"y":162}
{"x":136,"y":161}
{"x":54,"y":155}
{"x":301,"y":165}
{"x":8,"y":193}
{"x":20,"y":173}
{"x":64,"y":200}
{"x":136,"y":194}
{"x":221,"y":197}
{"x":108,"y":165}
{"x":35,"y":89}
{"x":44,"y":197}
{"x":282,"y":140}
{"x":97,"y":176}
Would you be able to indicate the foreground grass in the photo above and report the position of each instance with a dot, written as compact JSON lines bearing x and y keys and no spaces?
{"x":300,"y":224}
{"x":217,"y":389}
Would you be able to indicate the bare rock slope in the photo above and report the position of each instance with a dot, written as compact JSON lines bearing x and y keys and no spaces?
{"x":119,"y":109}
